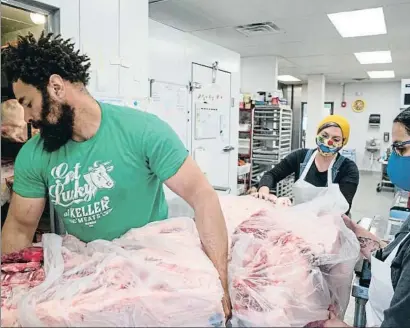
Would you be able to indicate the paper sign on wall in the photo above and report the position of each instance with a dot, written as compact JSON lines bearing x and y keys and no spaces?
{"x":207,"y":124}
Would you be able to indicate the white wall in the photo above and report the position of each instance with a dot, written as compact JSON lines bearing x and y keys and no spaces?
{"x":111,"y":32}
{"x":381,"y":98}
{"x":114,"y":33}
{"x":171,"y":54}
{"x":259,"y":74}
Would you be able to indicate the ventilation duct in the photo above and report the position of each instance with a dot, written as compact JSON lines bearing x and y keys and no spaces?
{"x":258,"y":29}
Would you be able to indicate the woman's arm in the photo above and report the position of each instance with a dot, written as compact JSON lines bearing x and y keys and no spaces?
{"x":368,"y":241}
{"x":348,"y":190}
{"x":290,"y":164}
{"x":349,"y":181}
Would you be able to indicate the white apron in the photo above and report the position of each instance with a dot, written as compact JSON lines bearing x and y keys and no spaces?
{"x":304,"y":191}
{"x":381,"y":288}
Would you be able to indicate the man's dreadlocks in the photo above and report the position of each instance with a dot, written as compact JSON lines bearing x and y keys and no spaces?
{"x":34,"y":61}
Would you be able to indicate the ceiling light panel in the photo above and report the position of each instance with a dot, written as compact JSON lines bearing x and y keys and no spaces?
{"x":288,"y":78}
{"x":374,"y":57}
{"x":381,"y":74}
{"x":358,"y":23}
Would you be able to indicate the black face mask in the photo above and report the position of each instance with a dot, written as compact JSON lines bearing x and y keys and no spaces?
{"x":57,"y":134}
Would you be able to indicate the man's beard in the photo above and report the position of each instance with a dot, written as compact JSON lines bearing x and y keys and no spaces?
{"x":55,"y":135}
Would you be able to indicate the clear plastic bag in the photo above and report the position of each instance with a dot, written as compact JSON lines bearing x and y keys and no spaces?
{"x":157,"y":275}
{"x":288,"y":265}
{"x":177,"y":207}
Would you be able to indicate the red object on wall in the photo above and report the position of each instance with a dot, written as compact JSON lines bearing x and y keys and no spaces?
{"x":344,"y":104}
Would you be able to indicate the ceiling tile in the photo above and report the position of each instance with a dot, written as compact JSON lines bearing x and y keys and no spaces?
{"x":309,"y":43}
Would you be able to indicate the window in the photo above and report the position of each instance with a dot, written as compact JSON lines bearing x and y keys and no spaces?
{"x":17,"y":21}
{"x":18,"y":18}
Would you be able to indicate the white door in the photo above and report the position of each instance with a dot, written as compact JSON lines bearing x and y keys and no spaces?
{"x":211,"y":111}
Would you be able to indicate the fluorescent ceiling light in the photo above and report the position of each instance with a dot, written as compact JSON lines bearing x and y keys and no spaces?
{"x":37,"y":19}
{"x":357,"y":23}
{"x":381,"y":74}
{"x":288,"y":78}
{"x":374,"y":57}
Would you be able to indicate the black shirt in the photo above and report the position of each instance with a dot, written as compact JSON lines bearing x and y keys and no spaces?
{"x":397,"y":315}
{"x":347,"y":177}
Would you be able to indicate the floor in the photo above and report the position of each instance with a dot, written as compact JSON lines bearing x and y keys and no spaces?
{"x":369,"y":203}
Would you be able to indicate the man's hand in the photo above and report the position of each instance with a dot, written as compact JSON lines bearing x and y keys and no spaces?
{"x":190,"y":184}
{"x":227,"y":306}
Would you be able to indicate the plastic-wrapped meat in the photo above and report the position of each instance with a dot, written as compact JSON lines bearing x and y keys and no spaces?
{"x":288,"y":265}
{"x":238,"y":209}
{"x":157,"y":275}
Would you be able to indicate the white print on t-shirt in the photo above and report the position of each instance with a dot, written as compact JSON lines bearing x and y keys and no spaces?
{"x":71,"y":188}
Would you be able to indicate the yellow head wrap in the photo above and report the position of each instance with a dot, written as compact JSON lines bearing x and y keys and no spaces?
{"x":340,"y":121}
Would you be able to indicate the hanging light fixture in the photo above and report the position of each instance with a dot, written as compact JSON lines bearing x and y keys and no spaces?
{"x":37,"y":19}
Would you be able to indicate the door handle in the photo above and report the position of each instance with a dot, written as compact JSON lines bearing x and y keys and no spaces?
{"x":227,"y":149}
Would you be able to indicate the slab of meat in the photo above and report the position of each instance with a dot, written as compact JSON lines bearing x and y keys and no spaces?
{"x":30,"y":254}
{"x":157,"y":275}
{"x":20,"y":272}
{"x":288,"y":265}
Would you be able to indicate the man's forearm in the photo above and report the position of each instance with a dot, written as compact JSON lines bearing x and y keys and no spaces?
{"x":212,"y":231}
{"x":13,"y":238}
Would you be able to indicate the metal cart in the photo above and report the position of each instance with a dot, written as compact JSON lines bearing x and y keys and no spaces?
{"x":360,"y":289}
{"x":385,"y":180}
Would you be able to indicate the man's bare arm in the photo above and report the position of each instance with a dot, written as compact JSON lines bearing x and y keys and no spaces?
{"x":21,"y":223}
{"x":191,"y":184}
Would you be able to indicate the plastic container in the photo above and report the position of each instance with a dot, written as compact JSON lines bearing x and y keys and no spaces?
{"x":244,"y":169}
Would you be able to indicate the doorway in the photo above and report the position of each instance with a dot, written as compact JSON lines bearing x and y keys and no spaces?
{"x":211,"y":112}
{"x":328,"y":109}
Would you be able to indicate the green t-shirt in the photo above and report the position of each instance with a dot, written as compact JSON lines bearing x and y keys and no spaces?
{"x":110,"y":183}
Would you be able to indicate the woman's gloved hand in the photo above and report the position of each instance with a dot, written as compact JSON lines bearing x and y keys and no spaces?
{"x":263,"y":193}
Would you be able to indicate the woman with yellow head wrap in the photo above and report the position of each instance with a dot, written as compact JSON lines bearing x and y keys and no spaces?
{"x":317,"y":169}
{"x":333,"y":133}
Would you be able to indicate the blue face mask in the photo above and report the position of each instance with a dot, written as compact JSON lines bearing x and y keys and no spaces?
{"x":398,"y":170}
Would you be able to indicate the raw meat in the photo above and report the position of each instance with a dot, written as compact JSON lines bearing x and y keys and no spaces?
{"x":157,"y":275}
{"x":30,"y":254}
{"x":20,"y":272}
{"x":13,"y":126}
{"x":288,"y":265}
{"x":7,"y":171}
{"x":20,"y":267}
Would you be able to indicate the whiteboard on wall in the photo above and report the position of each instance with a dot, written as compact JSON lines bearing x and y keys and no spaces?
{"x":169,"y":101}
